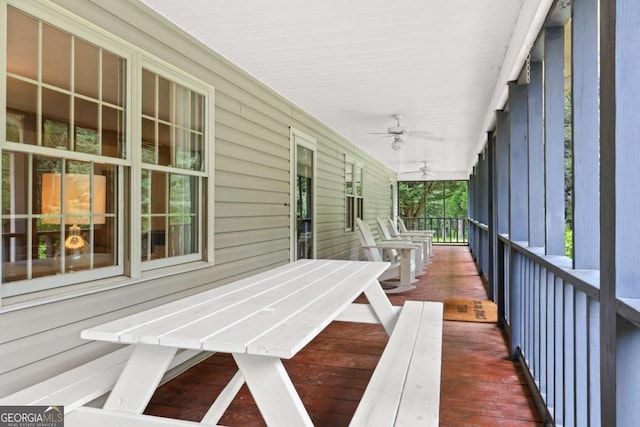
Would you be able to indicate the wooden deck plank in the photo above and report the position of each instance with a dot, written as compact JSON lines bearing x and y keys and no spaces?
{"x":480,"y":385}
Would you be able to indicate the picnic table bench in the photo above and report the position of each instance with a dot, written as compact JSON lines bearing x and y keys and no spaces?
{"x":263,"y":319}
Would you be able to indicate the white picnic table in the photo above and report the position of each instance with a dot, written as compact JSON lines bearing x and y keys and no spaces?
{"x":260,"y":320}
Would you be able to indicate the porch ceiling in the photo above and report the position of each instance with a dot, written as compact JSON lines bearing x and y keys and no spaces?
{"x":442,"y":64}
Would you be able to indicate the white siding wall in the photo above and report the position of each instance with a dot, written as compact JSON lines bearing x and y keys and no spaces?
{"x":251,"y":192}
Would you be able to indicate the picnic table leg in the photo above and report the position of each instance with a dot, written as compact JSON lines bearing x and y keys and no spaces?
{"x":273,"y":391}
{"x":381,"y":306}
{"x":218,"y":408}
{"x":140,"y":378}
{"x":406,"y":276}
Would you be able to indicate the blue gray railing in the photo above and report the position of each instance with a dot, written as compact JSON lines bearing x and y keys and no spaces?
{"x":447,"y":230}
{"x":551,"y":313}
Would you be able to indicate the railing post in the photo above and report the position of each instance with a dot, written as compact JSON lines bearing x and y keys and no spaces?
{"x":619,"y":207}
{"x":518,"y":202}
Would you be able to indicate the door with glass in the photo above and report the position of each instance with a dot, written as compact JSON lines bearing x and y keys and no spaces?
{"x":303,"y":196}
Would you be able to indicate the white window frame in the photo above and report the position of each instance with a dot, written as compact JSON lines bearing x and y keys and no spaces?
{"x":129,"y":267}
{"x":205,"y":243}
{"x":351,"y":198}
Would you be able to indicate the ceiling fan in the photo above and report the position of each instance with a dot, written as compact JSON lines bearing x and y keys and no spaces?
{"x":399,"y":131}
{"x":425,"y":170}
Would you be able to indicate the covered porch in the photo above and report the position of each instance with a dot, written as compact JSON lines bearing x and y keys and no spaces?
{"x":480,"y":385}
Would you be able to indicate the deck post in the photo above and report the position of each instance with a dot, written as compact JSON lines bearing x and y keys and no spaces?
{"x":554,"y":140}
{"x":619,"y":207}
{"x":536,"y":157}
{"x":586,"y":209}
{"x":518,"y":202}
{"x":502,"y":204}
{"x":491,"y":216}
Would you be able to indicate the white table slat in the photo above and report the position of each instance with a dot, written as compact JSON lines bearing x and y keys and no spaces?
{"x":236,"y":326}
{"x":222,"y":311}
{"x":422,"y":386}
{"x":112,"y":331}
{"x":382,"y":411}
{"x":292,"y":334}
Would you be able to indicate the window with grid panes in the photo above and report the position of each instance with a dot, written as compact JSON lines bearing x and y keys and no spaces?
{"x":69,"y":164}
{"x":354,"y":199}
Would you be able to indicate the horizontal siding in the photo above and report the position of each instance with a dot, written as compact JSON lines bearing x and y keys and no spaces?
{"x":251,"y":212}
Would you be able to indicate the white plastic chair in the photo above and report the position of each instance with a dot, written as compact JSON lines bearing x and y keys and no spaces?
{"x":420,"y":255}
{"x":400,"y":276}
{"x":425,"y":234}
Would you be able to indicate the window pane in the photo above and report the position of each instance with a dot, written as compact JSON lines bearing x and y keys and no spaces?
{"x":182,"y":103}
{"x":358,"y":181}
{"x":148,"y":93}
{"x":86,"y":69}
{"x":169,"y":230}
{"x":164,"y":99}
{"x":113,"y":81}
{"x":113,"y":144}
{"x":56,"y":57}
{"x":22,"y":102}
{"x":349,"y":213}
{"x":22,"y":44}
{"x":149,"y":154}
{"x":348,"y":177}
{"x":197,"y":152}
{"x":15,"y":171}
{"x":183,"y":207}
{"x":15,"y":247}
{"x":197,"y":112}
{"x":86,"y":118}
{"x":164,"y":145}
{"x":55,"y":118}
{"x":72,"y":216}
{"x":46,"y":243}
{"x":158,"y":193}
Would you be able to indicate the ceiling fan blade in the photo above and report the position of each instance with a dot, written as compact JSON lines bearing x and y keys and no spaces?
{"x":427,"y":137}
{"x":380,"y":133}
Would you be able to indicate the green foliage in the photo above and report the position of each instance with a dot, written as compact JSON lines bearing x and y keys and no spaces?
{"x":568,"y":242}
{"x":568,"y":175}
{"x":432,"y":199}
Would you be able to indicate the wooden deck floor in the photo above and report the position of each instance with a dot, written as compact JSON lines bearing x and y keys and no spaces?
{"x":480,"y":385}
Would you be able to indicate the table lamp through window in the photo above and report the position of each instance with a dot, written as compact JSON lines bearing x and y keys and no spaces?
{"x":77,"y":205}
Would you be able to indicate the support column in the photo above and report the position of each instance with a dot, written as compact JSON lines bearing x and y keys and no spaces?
{"x":518,"y":202}
{"x":536,"y":158}
{"x":554,"y":140}
{"x":502,"y":205}
{"x":586,"y":195}
{"x":491,"y":216}
{"x":518,"y":163}
{"x":619,"y":207}
{"x":586,"y":155}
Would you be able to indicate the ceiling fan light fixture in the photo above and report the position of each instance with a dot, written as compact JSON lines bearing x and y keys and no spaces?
{"x":397,"y":143}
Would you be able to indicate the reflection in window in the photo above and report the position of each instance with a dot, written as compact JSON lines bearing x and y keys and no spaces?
{"x":59,"y":214}
{"x":172,"y":123}
{"x":61,"y":105}
{"x":172,"y":148}
{"x":169,"y":215}
{"x":66,"y":223}
{"x":354,"y":200}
